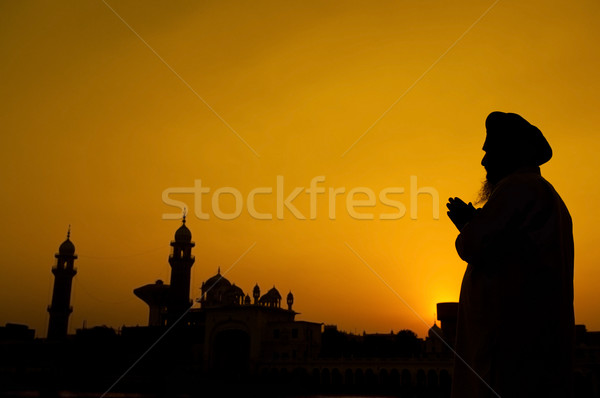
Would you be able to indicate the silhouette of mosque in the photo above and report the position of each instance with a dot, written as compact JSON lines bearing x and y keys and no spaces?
{"x":234,"y":334}
{"x":235,"y":337}
{"x":232,"y":328}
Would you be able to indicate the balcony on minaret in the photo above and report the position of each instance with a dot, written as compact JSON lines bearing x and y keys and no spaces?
{"x":180,"y":254}
{"x":65,"y":268}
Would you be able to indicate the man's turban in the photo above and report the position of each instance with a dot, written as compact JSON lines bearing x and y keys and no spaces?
{"x":509,"y":131}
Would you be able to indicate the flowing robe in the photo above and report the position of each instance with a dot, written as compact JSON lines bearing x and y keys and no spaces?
{"x":515,"y":321}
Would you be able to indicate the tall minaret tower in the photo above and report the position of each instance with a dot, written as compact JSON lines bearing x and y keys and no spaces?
{"x":181,"y":261}
{"x":63,"y":271}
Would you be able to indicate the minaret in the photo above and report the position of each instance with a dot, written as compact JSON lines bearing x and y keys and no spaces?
{"x":290,"y":300}
{"x":63,"y":271}
{"x":256,"y":294}
{"x":181,"y":261}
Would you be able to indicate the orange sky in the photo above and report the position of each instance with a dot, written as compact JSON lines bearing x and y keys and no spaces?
{"x":95,"y":127}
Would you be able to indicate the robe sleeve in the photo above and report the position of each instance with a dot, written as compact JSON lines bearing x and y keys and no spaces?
{"x":493,"y":227}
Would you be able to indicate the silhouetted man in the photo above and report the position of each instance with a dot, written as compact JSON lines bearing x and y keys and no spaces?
{"x":515,"y":320}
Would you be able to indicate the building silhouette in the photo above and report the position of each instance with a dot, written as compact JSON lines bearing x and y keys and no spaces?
{"x":241,"y":342}
{"x":181,"y":262}
{"x":63,"y":271}
{"x":231,"y":332}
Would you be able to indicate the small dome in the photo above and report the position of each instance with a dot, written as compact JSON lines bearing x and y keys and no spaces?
{"x":271,"y":299}
{"x":256,"y":292}
{"x":183,"y":234}
{"x":67,"y":248}
{"x":290,"y":296}
{"x":233,"y":295}
{"x":216,"y":281}
{"x":272,"y":294}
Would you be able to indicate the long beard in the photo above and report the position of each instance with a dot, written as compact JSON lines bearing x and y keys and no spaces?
{"x":485,"y":192}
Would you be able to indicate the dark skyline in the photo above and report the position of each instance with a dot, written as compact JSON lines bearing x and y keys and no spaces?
{"x":250,"y":342}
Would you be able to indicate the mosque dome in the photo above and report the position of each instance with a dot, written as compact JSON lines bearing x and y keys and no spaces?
{"x":233,"y":295}
{"x":271,"y":299}
{"x":217,"y":281}
{"x":67,"y":248}
{"x":273,"y":293}
{"x":183,"y":234}
{"x":217,"y":291}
